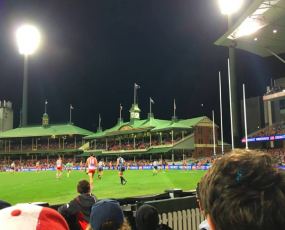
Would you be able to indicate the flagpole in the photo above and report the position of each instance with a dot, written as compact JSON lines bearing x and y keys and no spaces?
{"x":70,"y":112}
{"x":149,"y":105}
{"x":221,"y":113}
{"x":245,"y":122}
{"x":99,"y":121}
{"x":135,"y":93}
{"x":20,"y":117}
{"x":231,"y":111}
{"x":174,"y":108}
{"x":46,"y":106}
{"x":213,"y":113}
{"x":120,"y":112}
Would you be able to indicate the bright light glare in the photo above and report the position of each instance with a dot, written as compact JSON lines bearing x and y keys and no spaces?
{"x":275,"y":31}
{"x":248,"y":27}
{"x":230,"y":6}
{"x":28,"y":39}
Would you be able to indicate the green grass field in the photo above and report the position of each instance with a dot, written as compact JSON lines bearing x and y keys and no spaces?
{"x":25,"y":187}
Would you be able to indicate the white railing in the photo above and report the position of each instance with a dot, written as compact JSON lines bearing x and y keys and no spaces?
{"x":189,"y":219}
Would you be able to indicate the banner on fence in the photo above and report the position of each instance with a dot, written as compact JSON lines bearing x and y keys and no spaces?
{"x":147,"y":167}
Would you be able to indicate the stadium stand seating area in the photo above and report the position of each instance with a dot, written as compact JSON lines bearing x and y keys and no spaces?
{"x":275,"y":129}
{"x":129,"y":144}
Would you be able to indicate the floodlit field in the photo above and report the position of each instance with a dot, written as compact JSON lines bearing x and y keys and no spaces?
{"x":25,"y":187}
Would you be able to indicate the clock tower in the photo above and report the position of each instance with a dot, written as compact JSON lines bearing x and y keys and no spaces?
{"x":135,"y":112}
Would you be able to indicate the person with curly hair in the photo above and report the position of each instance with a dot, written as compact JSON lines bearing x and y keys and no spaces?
{"x":244,"y":191}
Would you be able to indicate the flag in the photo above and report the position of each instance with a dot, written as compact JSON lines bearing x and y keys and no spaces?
{"x":151,"y":101}
{"x":174,"y":105}
{"x":137,"y":86}
{"x":71,"y":107}
{"x":46,"y":102}
{"x":121,"y":107}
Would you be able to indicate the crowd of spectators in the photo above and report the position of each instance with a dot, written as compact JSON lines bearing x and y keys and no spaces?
{"x":276,"y":129}
{"x":40,"y":146}
{"x":130,"y":144}
{"x":275,"y":89}
{"x":243,"y":190}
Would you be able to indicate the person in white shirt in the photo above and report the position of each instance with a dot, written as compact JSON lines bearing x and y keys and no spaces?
{"x":154,"y":168}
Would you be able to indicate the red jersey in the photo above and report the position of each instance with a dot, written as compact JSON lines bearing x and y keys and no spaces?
{"x":92,"y":162}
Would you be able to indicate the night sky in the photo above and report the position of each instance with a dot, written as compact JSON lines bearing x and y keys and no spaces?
{"x":92,"y":53}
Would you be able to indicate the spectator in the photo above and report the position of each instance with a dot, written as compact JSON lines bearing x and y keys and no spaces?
{"x":204,"y":225}
{"x":79,"y":206}
{"x":244,"y":191}
{"x":4,"y":204}
{"x":31,"y":217}
{"x":147,"y":219}
{"x":108,"y":215}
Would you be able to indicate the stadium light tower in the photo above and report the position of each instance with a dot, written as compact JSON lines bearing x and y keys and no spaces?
{"x":28,"y":39}
{"x":229,"y":7}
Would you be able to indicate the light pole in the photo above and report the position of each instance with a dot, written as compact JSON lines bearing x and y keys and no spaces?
{"x":28,"y":39}
{"x":229,"y":7}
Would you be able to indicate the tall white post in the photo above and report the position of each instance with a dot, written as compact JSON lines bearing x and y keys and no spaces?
{"x":245,"y":123}
{"x":231,"y":111}
{"x":221,"y":113}
{"x":214,"y":133}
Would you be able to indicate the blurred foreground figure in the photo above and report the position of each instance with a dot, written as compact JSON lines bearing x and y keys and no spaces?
{"x":244,"y":190}
{"x":31,"y":217}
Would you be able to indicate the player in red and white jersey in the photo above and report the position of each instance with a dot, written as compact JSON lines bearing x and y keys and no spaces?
{"x":81,"y":166}
{"x":110,"y":165}
{"x":37,"y":166}
{"x":58,"y":168}
{"x":92,"y":164}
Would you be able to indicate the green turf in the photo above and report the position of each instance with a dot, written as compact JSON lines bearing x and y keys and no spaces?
{"x":25,"y":187}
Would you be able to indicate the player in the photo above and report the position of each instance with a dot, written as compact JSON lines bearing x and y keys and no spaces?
{"x":68,"y":168}
{"x":160,"y":165}
{"x":154,"y":168}
{"x":58,"y":168}
{"x":12,"y":171}
{"x":121,"y":164}
{"x":110,"y":165}
{"x":37,"y":166}
{"x":199,"y":166}
{"x":81,"y":166}
{"x":92,"y":164}
{"x":71,"y":166}
{"x":101,"y":169}
{"x":184,"y":164}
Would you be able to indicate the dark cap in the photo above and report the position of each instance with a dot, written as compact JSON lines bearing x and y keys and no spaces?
{"x":147,"y":218}
{"x":106,"y":210}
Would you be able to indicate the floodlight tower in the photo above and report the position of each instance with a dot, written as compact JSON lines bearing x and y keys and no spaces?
{"x":28,"y":39}
{"x":229,"y":7}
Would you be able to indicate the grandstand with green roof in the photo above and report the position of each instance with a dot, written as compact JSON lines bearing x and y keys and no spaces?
{"x":46,"y":139}
{"x":150,"y":136}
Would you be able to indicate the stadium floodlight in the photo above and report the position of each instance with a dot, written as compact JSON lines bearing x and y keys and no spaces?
{"x":230,"y":6}
{"x":28,"y":39}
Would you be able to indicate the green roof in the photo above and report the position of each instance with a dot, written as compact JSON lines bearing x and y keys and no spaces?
{"x":150,"y":124}
{"x":225,"y":144}
{"x":87,"y":154}
{"x":47,"y":130}
{"x":159,"y":150}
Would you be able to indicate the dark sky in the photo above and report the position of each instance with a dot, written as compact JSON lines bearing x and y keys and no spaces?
{"x":92,"y":52}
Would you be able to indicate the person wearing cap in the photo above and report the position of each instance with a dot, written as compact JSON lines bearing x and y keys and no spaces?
{"x":79,"y":207}
{"x":147,"y":219}
{"x":31,"y":217}
{"x":108,"y":215}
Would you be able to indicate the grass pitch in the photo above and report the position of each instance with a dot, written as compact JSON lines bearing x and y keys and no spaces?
{"x":23,"y":187}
